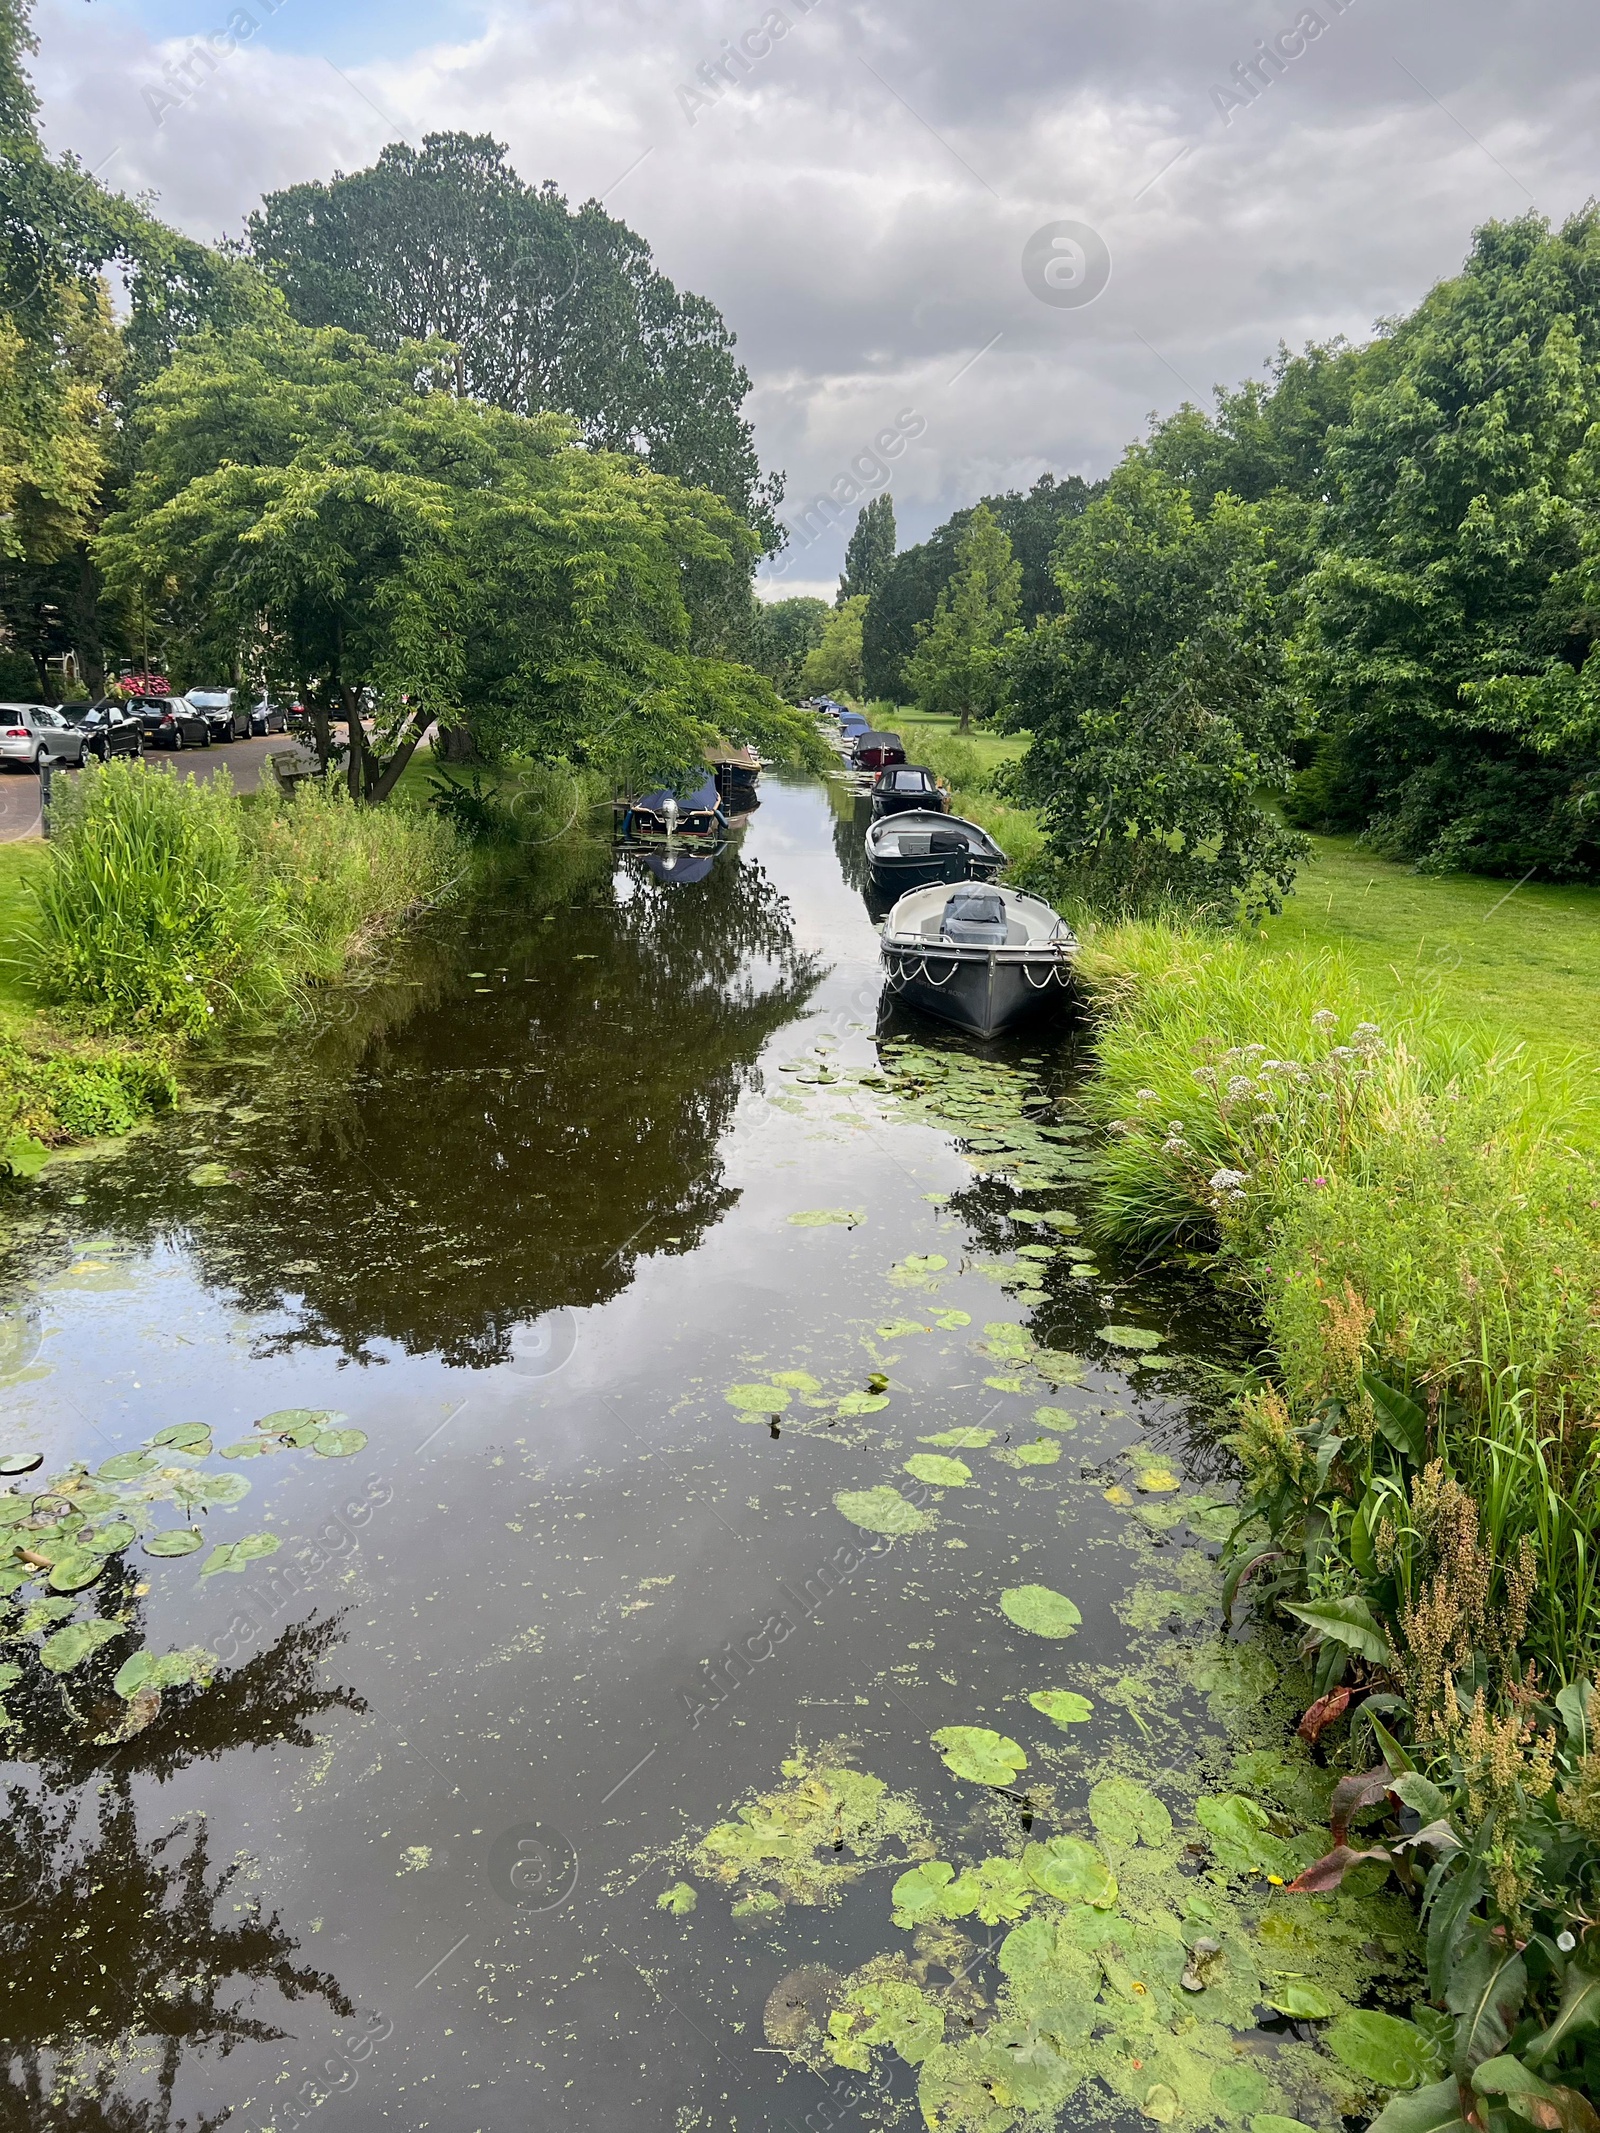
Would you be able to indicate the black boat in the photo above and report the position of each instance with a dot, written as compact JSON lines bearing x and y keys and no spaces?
{"x":737,"y":772}
{"x":976,"y":954}
{"x":913,"y":851}
{"x":697,"y":814}
{"x":905,"y":786}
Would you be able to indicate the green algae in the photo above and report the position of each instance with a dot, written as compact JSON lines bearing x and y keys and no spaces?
{"x":809,"y":1840}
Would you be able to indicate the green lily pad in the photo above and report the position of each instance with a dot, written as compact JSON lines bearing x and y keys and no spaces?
{"x":338,"y":1443}
{"x":825,"y":1217}
{"x":896,"y":1329}
{"x":69,"y":1647}
{"x":1242,"y":2087}
{"x":863,"y":1403}
{"x":680,"y":1899}
{"x":1039,"y":1610}
{"x":961,"y":1440}
{"x":74,"y":1568}
{"x":209,"y":1174}
{"x":1127,"y":1813}
{"x":1131,"y":1337}
{"x":1156,"y":1479}
{"x":169,"y":1670}
{"x":1383,"y":2049}
{"x":942,"y":1472}
{"x":916,"y":1271}
{"x":1059,"y":1418}
{"x":1302,"y":2003}
{"x":184,"y":1437}
{"x":1063,"y":1707}
{"x":1006,"y":1384}
{"x":1058,"y":1366}
{"x":212,"y":1489}
{"x":881,"y":1510}
{"x":920,"y":1893}
{"x":21,"y":1462}
{"x":286,"y":1418}
{"x":974,"y":1752}
{"x":952,"y":1321}
{"x":176,"y":1540}
{"x":797,"y":1380}
{"x":112,"y":1539}
{"x":758,"y":1400}
{"x":240,"y":1554}
{"x":249,"y":1448}
{"x":1072,"y":1871}
{"x":127,"y":1466}
{"x":1044,"y":1451}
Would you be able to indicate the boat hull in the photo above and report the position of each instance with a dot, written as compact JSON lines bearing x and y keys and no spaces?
{"x":898,"y":877}
{"x":985,"y":991}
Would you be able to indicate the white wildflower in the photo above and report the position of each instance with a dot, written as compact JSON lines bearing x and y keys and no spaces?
{"x":1367,"y":1037}
{"x":1324,"y":1018}
{"x":1229,"y":1180}
{"x":1147,"y":1096}
{"x":1240,"y":1087}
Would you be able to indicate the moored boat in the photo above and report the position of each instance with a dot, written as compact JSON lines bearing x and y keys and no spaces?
{"x":876,"y":751}
{"x":906,"y":786}
{"x":699,"y":813}
{"x":977,"y":955}
{"x":917,"y":849}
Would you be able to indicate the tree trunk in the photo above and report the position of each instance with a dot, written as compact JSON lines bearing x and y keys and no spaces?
{"x":966,"y":719}
{"x":456,"y":745}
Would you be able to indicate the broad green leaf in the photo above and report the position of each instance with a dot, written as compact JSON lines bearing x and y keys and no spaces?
{"x":1057,"y":1418}
{"x":212,"y":1489}
{"x":1300,"y":2002}
{"x":1043,"y":1451}
{"x":680,"y":1899}
{"x":1383,"y":2049}
{"x":975,"y":1753}
{"x":1579,"y":2010}
{"x":1400,"y":1419}
{"x":127,"y":1466}
{"x":1072,"y":1871}
{"x":184,"y":1437}
{"x":112,"y":1539}
{"x":881,"y":1510}
{"x":758,"y":1400}
{"x":1133,"y":1338}
{"x":176,"y":1540}
{"x":338,"y":1443}
{"x":1573,"y":1704}
{"x":285,"y":1418}
{"x":170,"y":1670}
{"x":920,"y":1894}
{"x":992,"y":1891}
{"x":1421,"y":1795}
{"x":1041,"y":1611}
{"x":1271,"y":2122}
{"x":249,"y":1448}
{"x":1241,"y":1833}
{"x":1350,"y":1622}
{"x":74,"y":1568}
{"x":240,"y":1554}
{"x":1126,"y":1813}
{"x":1063,"y":1707}
{"x":897,"y":1329}
{"x":942,"y":1472}
{"x":69,"y":1647}
{"x":1436,"y":2109}
{"x":20,"y":1462}
{"x":799,"y":1380}
{"x":863,"y":1403}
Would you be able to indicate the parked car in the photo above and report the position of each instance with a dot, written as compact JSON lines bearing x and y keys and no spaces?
{"x":29,"y":733}
{"x":268,"y":717}
{"x":109,"y":728}
{"x":172,"y":722}
{"x":228,"y":719}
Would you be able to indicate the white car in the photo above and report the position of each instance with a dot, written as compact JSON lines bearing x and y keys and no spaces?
{"x":31,"y":732}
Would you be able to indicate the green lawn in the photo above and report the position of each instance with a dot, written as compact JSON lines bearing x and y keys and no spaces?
{"x":993,"y":749}
{"x":1523,"y":961}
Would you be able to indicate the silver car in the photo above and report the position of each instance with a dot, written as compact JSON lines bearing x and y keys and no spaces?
{"x":31,"y":732}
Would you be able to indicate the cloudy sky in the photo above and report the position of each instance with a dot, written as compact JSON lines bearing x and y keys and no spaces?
{"x":901,"y":208}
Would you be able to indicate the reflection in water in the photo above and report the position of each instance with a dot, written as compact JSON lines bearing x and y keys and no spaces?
{"x":437,"y":1174}
{"x":121,"y":1951}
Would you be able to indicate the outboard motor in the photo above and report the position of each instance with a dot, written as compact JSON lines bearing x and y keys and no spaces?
{"x":975,"y":918}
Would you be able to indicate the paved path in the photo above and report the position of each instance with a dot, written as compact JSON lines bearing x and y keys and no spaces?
{"x":19,"y":790}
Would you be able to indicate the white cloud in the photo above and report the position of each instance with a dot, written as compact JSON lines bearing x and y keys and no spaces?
{"x":864,"y":252}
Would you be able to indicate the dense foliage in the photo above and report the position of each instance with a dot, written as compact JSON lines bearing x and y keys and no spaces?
{"x":958,"y":665}
{"x":545,"y":308}
{"x":869,"y":555}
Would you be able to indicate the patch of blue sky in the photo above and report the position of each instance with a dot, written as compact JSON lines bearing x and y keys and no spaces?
{"x":349,"y":32}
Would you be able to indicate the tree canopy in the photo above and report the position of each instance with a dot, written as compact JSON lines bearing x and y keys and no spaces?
{"x":833,"y":667}
{"x":869,"y":557}
{"x":338,"y":515}
{"x":547,"y":307}
{"x":958,"y":665}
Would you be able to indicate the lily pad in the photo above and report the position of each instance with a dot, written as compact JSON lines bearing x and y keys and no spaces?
{"x":974,"y":1752}
{"x":212,"y":1489}
{"x":1044,"y":1451}
{"x":826,"y":1217}
{"x":758,"y":1400}
{"x":249,"y":1448}
{"x":1156,"y":1479}
{"x":863,"y":1403}
{"x":209,"y":1174}
{"x":916,"y":1271}
{"x":1063,"y":1707}
{"x":1383,"y":2049}
{"x":69,"y":1647}
{"x":1058,"y":1418}
{"x":942,"y":1472}
{"x":961,"y":1440}
{"x":240,"y":1554}
{"x":1072,"y":1871}
{"x":1127,"y":1813}
{"x":1058,"y":1366}
{"x":920,"y":1894}
{"x":1006,"y":1384}
{"x":881,"y":1510}
{"x":1302,"y":2003}
{"x":74,"y":1568}
{"x":127,"y":1466}
{"x":952,"y":1321}
{"x":338,"y":1443}
{"x":167,"y":1670}
{"x":184,"y":1437}
{"x":896,"y":1329}
{"x":112,"y":1539}
{"x":21,"y":1462}
{"x":680,"y":1899}
{"x":176,"y":1540}
{"x":797,"y":1380}
{"x":1131,"y":1337}
{"x":1041,"y":1611}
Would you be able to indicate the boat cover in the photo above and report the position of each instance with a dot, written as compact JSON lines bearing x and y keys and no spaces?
{"x":975,"y":918}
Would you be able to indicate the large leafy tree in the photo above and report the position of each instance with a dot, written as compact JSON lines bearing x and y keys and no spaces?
{"x":310,"y":507}
{"x":546,"y":307}
{"x":1453,"y":617}
{"x":1156,"y":705}
{"x":910,"y":588}
{"x":958,"y":665}
{"x":833,"y":666}
{"x":869,"y":557}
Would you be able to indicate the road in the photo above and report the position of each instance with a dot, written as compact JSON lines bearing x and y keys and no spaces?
{"x":19,"y":790}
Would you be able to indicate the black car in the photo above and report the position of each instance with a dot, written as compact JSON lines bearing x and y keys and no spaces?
{"x":170,"y":722}
{"x":227,"y":717}
{"x":268,"y":717}
{"x":109,"y":728}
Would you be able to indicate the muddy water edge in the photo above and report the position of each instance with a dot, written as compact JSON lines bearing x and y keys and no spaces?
{"x":700,"y":1598}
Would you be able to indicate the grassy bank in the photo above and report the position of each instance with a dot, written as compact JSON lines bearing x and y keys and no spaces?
{"x":166,"y":910}
{"x":968,"y":764}
{"x":1409,"y":1213}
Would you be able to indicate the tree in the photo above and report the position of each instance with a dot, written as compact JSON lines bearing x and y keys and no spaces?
{"x":911,"y":587}
{"x":869,"y":558}
{"x":781,"y":634}
{"x":311,"y":506}
{"x":834,"y":667}
{"x":958,"y":664}
{"x":1157,"y":706}
{"x":546,"y":308}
